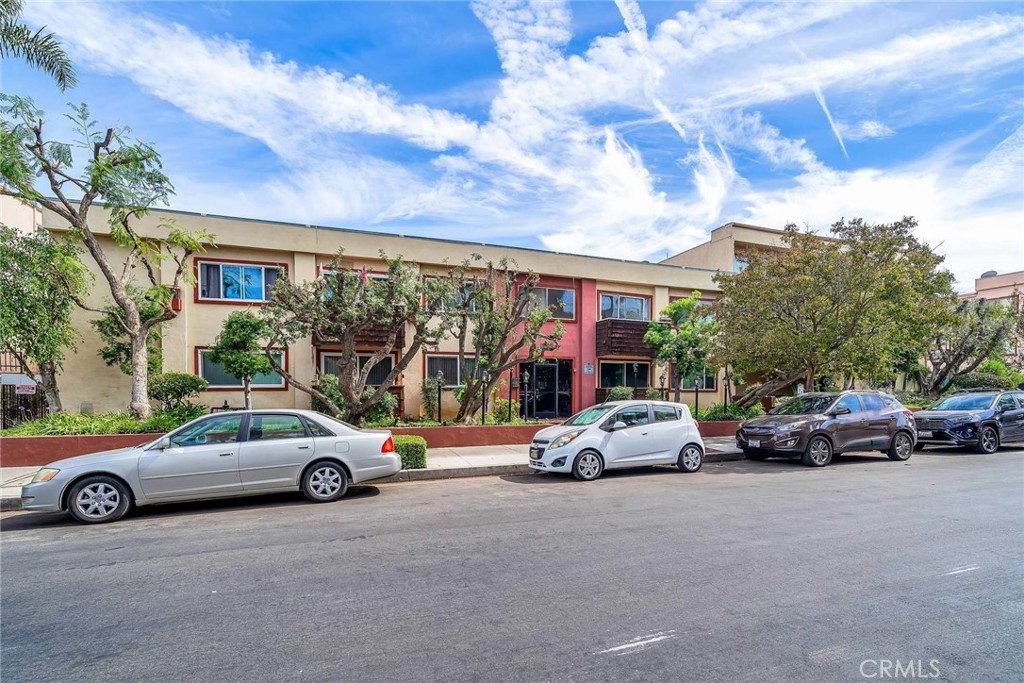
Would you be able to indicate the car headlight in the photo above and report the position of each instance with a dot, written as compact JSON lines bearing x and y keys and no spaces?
{"x":960,"y":419}
{"x":565,"y":439}
{"x":793,"y":425}
{"x":45,"y":474}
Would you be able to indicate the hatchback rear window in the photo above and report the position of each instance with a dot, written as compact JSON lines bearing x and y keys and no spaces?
{"x":665,"y":414}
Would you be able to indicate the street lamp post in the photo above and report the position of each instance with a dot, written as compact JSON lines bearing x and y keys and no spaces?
{"x":440,"y":384}
{"x":636,"y":369}
{"x":486,"y":379}
{"x":697,"y":382}
{"x":661,"y":381}
{"x":510,"y":394}
{"x":526,"y":393}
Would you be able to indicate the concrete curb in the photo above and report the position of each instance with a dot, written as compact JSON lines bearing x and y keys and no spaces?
{"x":14,"y":503}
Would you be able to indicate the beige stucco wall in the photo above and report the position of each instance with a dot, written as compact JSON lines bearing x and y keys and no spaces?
{"x":16,"y":214}
{"x":1000,"y":287}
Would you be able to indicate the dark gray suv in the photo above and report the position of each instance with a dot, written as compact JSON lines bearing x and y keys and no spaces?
{"x":814,"y":427}
{"x":976,"y":419}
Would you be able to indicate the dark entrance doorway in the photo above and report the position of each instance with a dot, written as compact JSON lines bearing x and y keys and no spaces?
{"x":548,"y":394}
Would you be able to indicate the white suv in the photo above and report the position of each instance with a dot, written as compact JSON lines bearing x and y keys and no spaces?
{"x":618,"y":435}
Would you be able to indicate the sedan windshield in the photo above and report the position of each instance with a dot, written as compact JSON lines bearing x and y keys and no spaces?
{"x":586,"y":417}
{"x":804,"y":405}
{"x":975,"y":402}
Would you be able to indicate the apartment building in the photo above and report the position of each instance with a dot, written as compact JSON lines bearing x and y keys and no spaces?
{"x":606,"y":305}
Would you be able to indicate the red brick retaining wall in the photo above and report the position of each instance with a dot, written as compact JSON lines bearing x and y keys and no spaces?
{"x":25,"y":451}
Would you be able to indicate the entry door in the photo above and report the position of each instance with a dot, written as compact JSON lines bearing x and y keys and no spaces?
{"x":549,"y":392}
{"x":201,"y":461}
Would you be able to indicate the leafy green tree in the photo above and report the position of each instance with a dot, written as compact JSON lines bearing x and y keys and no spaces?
{"x":343,"y":306}
{"x":843,"y":305}
{"x":35,"y":305}
{"x":977,"y":331}
{"x":40,"y":49}
{"x":127,"y":177}
{"x":117,"y":344}
{"x":239,"y":350}
{"x":684,"y":337}
{"x":498,"y":323}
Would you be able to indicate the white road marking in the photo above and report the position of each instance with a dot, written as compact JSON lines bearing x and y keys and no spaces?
{"x":639,"y":641}
{"x":961,"y":570}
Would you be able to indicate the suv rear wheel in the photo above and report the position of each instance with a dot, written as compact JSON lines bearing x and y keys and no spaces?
{"x":902,"y":446}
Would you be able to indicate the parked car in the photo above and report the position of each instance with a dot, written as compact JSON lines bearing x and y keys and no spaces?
{"x":976,"y":419}
{"x":619,"y":434}
{"x":238,"y":453}
{"x":817,"y":426}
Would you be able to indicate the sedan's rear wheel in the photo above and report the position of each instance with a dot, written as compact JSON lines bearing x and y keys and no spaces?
{"x":690,"y":459}
{"x":587,"y":466}
{"x":98,"y":499}
{"x":988,"y":440}
{"x":818,"y":453}
{"x":325,"y":482}
{"x":902,"y":447}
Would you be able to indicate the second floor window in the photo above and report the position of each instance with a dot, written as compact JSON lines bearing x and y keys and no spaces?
{"x":561,"y":301}
{"x":242,"y":282}
{"x":625,"y":307}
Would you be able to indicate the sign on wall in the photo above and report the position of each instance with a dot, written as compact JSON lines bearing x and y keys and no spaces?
{"x":588,"y":368}
{"x":26,"y":389}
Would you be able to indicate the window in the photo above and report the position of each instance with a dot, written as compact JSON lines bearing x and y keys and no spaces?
{"x":236,"y":281}
{"x":625,"y":374}
{"x":220,"y":429}
{"x":624,"y":307}
{"x":219,"y":378}
{"x":561,"y":301}
{"x":329,"y":366}
{"x":1006,"y":402}
{"x":850,"y":401}
{"x":666,"y":413}
{"x":872,"y":402}
{"x":272,"y":427}
{"x":317,"y":429}
{"x":449,"y":365}
{"x":633,"y":415}
{"x":740,"y":263}
{"x":708,"y":379}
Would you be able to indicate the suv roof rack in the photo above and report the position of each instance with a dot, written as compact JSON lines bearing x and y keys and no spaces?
{"x":979,"y":391}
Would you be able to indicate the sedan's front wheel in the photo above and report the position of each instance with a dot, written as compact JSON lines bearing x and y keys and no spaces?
{"x":587,"y":466}
{"x":98,"y":499}
{"x":690,"y":459}
{"x":325,"y":482}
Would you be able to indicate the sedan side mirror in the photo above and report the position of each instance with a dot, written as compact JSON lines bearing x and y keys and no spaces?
{"x":840,"y":410}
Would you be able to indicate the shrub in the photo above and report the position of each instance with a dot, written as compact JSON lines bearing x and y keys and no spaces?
{"x":500,"y":410}
{"x":653,"y":394}
{"x":328,"y":385}
{"x":619,"y":394}
{"x":383,"y":411}
{"x":175,"y":388}
{"x":982,"y":380}
{"x":910,"y":400}
{"x":171,"y":418}
{"x":429,"y":394}
{"x":413,"y":451}
{"x":721,"y":412}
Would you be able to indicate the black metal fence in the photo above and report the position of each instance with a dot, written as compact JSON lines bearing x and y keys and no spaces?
{"x":16,"y":408}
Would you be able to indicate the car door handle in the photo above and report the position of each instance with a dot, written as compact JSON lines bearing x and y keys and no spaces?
{"x":643,"y":433}
{"x":303,"y":448}
{"x":224,"y":455}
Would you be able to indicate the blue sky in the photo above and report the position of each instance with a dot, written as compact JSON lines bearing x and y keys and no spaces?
{"x":614,"y":128}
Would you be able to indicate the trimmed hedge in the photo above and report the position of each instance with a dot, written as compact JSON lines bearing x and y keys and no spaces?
{"x":413,"y":451}
{"x":70,"y":424}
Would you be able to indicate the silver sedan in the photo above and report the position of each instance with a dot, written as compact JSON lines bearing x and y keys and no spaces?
{"x":216,"y":456}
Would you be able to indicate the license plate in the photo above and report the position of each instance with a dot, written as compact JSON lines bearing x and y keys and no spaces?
{"x":924,"y":435}
{"x":754,"y":443}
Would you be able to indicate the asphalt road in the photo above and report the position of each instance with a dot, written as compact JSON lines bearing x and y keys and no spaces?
{"x":744,"y":572}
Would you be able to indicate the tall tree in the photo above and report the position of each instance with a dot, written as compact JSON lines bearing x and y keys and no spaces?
{"x":977,"y":331}
{"x":843,"y":305}
{"x":685,"y":339}
{"x":35,"y":305}
{"x":240,"y":351}
{"x":116,"y":350}
{"x":40,"y":49}
{"x":125,"y":175}
{"x":344,"y":308}
{"x":498,"y":322}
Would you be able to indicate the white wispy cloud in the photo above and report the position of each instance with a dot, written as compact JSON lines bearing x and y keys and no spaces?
{"x":547,"y":161}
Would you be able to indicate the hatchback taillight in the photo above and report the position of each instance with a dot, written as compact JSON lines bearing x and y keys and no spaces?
{"x":388,"y":447}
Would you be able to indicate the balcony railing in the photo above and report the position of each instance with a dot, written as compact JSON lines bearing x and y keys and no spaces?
{"x":374,"y":336}
{"x":622,"y":338}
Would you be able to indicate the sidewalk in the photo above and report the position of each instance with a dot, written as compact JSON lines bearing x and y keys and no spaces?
{"x":442,"y":463}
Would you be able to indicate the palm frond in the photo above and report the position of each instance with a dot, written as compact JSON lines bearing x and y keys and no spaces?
{"x":41,"y":50}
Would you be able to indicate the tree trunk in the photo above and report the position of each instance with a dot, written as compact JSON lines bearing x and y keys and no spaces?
{"x":140,"y":406}
{"x":753,"y":396}
{"x":49,"y":386}
{"x":247,"y":389}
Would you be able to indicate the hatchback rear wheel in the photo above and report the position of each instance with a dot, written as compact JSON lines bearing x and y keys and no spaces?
{"x":690,"y":459}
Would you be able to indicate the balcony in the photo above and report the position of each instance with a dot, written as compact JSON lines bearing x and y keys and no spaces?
{"x":622,"y":338}
{"x":373,"y":337}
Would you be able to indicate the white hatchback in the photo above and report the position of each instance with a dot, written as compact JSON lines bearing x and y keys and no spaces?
{"x":617,"y":435}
